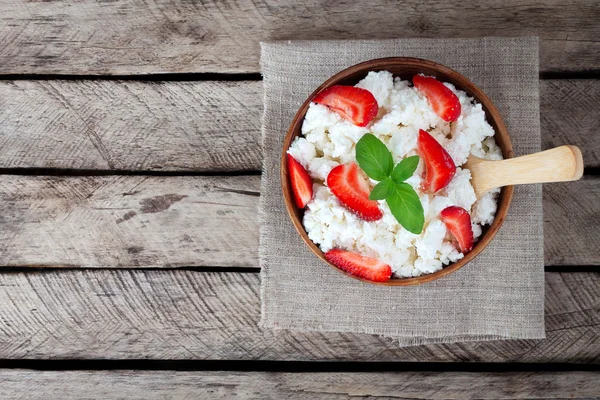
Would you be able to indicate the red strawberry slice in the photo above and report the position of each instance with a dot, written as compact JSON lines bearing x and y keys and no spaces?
{"x":302,"y":184}
{"x":443,"y":101}
{"x":352,"y":190}
{"x":360,"y":266}
{"x":439,"y":167}
{"x":458,"y":222}
{"x":354,"y":104}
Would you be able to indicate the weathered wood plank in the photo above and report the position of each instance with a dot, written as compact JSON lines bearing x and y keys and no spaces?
{"x":569,"y":114}
{"x":572,"y":222}
{"x":179,"y":314}
{"x":149,"y":221}
{"x":122,"y":37}
{"x":150,"y":385}
{"x":128,"y":221}
{"x":199,"y":126}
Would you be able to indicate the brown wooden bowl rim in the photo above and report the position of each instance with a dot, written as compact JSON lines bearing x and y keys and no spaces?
{"x":450,"y":75}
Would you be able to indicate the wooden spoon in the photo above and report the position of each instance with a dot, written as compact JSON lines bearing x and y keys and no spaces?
{"x":560,"y":164}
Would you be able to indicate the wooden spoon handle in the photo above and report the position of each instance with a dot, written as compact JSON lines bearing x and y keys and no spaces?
{"x":560,"y":164}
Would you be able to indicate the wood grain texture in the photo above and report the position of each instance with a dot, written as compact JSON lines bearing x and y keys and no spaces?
{"x":569,"y":114}
{"x":128,"y":384}
{"x":572,"y":222}
{"x":162,"y":222}
{"x":179,"y":314}
{"x":123,"y":37}
{"x":128,"y":221}
{"x":199,"y":126}
{"x":560,"y":164}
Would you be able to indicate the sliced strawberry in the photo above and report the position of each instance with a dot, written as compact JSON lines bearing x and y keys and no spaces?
{"x":347,"y":183}
{"x":354,"y":104}
{"x":443,"y":101}
{"x":302,"y":184}
{"x":439,"y":167}
{"x":458,"y":222}
{"x":360,"y":266}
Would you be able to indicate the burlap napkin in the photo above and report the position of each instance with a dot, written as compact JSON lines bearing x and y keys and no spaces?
{"x":500,"y":295}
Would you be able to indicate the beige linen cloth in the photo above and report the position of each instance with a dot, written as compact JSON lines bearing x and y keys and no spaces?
{"x":499,"y":295}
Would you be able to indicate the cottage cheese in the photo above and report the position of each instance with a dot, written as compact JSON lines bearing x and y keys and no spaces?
{"x":328,"y":140}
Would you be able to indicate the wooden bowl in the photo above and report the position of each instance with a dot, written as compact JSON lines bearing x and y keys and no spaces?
{"x":404,"y":68}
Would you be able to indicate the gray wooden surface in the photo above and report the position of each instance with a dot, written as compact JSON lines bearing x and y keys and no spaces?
{"x":126,"y":384}
{"x":207,"y":126}
{"x":189,"y":315}
{"x":129,"y":221}
{"x":186,"y":221}
{"x":162,"y":36}
{"x":198,"y":126}
{"x":184,"y":153}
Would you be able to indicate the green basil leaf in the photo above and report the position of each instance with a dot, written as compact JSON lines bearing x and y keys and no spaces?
{"x":404,"y":169}
{"x":373,"y":157}
{"x":382,"y":190}
{"x":406,"y":207}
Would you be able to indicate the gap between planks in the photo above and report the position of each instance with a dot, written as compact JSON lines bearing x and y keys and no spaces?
{"x":285,"y":366}
{"x":256,"y":76}
{"x":116,"y":172}
{"x":178,"y":77}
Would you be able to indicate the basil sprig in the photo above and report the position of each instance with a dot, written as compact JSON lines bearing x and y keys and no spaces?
{"x":376,"y":161}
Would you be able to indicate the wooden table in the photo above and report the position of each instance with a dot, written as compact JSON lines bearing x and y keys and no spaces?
{"x":130,"y":167}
